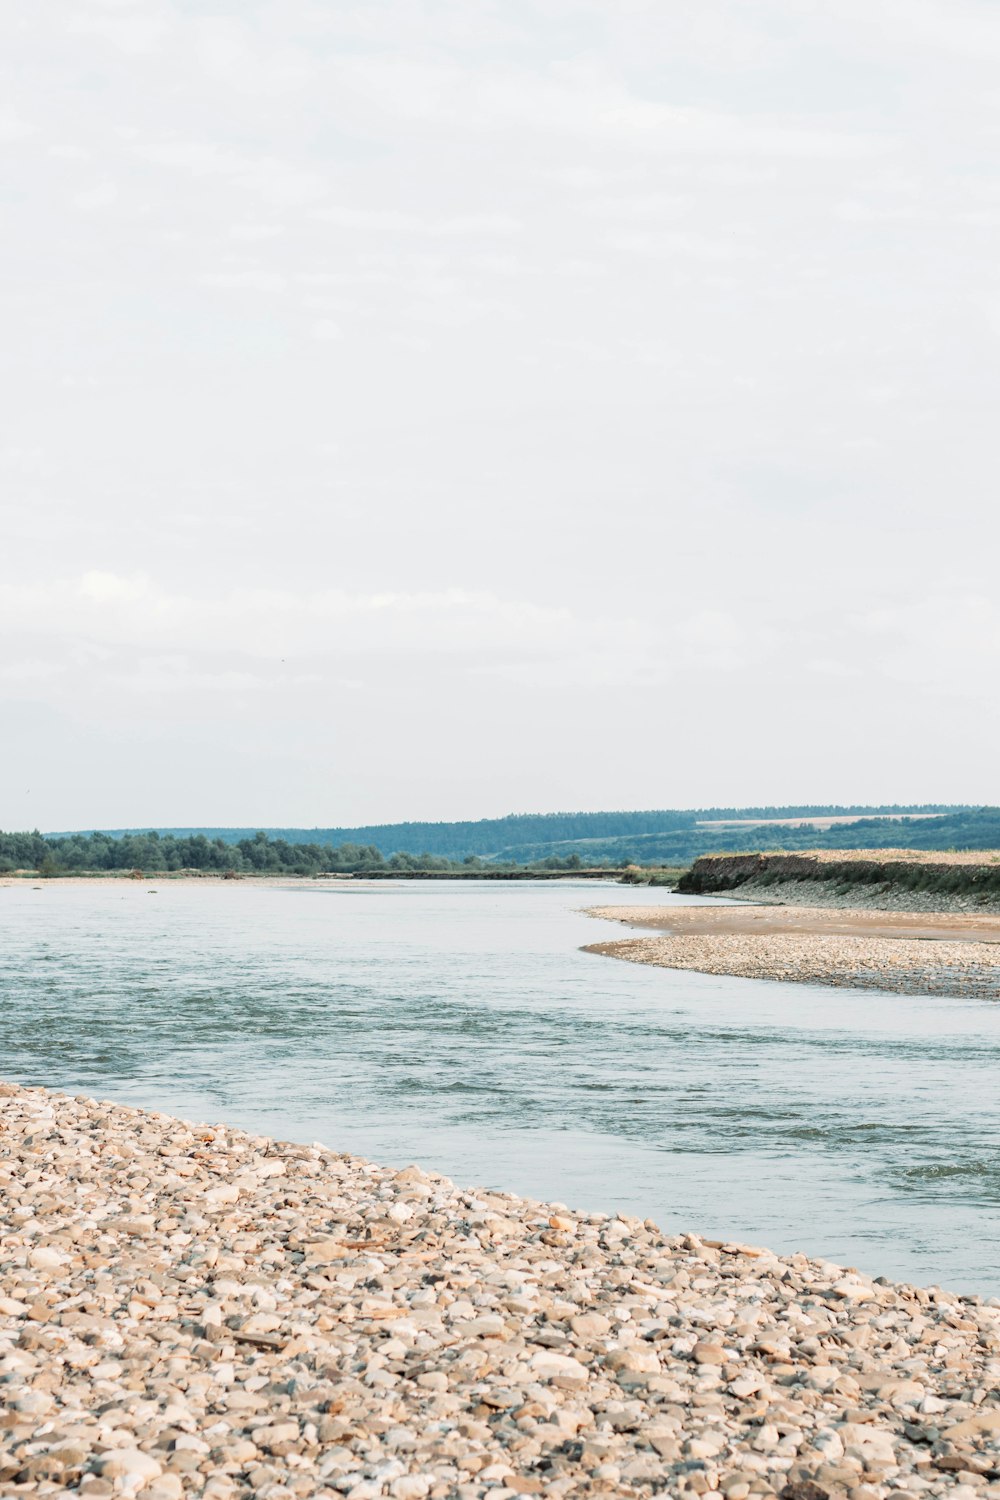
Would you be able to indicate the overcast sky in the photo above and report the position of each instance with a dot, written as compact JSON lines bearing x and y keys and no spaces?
{"x":439,"y":408}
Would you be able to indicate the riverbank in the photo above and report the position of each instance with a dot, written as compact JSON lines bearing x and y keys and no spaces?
{"x":33,"y":878}
{"x":944,"y":953}
{"x":725,"y":917}
{"x":882,"y":879}
{"x":190,"y":1310}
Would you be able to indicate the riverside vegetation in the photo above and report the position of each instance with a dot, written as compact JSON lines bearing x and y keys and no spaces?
{"x":193,"y":1311}
{"x":154,"y":853}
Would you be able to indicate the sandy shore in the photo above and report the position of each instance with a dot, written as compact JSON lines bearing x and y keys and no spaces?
{"x":189,"y":1310}
{"x":905,"y":952}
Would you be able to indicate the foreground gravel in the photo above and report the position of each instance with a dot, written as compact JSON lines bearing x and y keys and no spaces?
{"x":190,"y":1310}
{"x":891,"y":964}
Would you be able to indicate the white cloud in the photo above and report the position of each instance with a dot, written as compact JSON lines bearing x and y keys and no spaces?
{"x":587,"y":99}
{"x":392,"y":221}
{"x":255,"y":232}
{"x":125,"y":611}
{"x":230,"y":54}
{"x":282,"y":183}
{"x":134,"y":32}
{"x":70,"y":152}
{"x":12,"y":130}
{"x":249,"y":279}
{"x":101,"y":195}
{"x":968,"y":29}
{"x":946,"y":643}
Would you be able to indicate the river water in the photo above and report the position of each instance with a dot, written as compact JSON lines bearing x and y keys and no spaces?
{"x":458,"y":1025}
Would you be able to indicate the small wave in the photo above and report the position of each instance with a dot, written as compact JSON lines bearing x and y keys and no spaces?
{"x":942,"y":1171}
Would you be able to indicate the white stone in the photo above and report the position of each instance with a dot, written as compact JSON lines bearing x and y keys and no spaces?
{"x":130,"y":1465}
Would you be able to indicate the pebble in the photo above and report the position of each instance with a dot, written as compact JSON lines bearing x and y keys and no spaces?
{"x":193,"y":1311}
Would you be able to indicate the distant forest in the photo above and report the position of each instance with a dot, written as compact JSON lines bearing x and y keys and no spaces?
{"x":510,"y":838}
{"x":973,"y":828}
{"x":550,"y":840}
{"x":154,"y":852}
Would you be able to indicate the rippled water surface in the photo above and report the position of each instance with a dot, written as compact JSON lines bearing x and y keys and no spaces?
{"x":460,"y":1026}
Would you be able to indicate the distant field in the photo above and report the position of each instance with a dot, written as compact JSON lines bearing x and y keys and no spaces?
{"x":818,"y":822}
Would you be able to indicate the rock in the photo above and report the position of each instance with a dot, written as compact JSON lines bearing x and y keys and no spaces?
{"x":561,"y":1369}
{"x":133,"y":1468}
{"x":982,"y":1422}
{"x":218,"y":1197}
{"x":867,"y":1443}
{"x":324,"y":1249}
{"x":590,"y":1325}
{"x":276,"y":1434}
{"x":46,"y":1259}
{"x":746,"y":1385}
{"x":708,"y":1354}
{"x":167,"y":1487}
{"x":410,"y":1487}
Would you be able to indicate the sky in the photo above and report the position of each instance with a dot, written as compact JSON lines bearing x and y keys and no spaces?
{"x":443,"y":408}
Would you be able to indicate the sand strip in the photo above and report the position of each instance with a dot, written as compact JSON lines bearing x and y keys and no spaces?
{"x":190,"y":1310}
{"x":707,"y":920}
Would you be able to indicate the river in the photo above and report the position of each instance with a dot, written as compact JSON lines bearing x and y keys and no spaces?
{"x":458,"y":1025}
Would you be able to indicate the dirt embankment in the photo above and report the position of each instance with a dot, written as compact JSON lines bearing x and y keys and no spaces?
{"x":883,"y":879}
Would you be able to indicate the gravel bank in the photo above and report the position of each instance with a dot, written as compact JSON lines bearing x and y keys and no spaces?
{"x":898,"y":965}
{"x":189,"y":1310}
{"x":944,"y":954}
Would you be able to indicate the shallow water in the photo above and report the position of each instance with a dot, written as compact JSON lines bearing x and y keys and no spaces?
{"x":458,"y":1025}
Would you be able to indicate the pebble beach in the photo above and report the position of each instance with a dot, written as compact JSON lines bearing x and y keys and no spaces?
{"x":189,"y":1310}
{"x":950,"y":955}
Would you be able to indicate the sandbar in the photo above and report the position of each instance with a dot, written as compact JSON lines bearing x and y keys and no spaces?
{"x":899,"y":952}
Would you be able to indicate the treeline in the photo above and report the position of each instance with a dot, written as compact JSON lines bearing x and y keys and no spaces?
{"x":488,"y":837}
{"x":524,"y":837}
{"x":154,"y":853}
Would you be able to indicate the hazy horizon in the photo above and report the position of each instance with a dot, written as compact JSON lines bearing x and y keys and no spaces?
{"x":422,"y":411}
